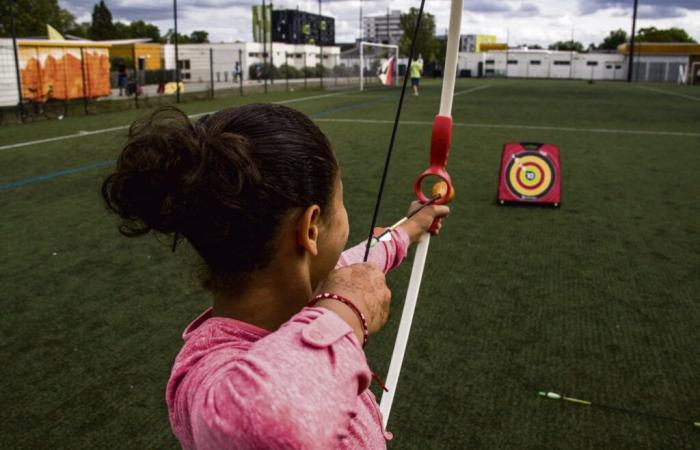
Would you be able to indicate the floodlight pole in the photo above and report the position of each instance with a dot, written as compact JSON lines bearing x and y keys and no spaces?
{"x":630,"y":67}
{"x":264,"y":33}
{"x":14,"y":48}
{"x":320,"y":42}
{"x":361,"y":32}
{"x":177,"y":58}
{"x":362,"y":64}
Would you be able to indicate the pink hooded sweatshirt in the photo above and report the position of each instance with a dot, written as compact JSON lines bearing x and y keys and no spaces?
{"x":304,"y":386}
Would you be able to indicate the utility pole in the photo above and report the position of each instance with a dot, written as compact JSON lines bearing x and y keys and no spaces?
{"x":14,"y":48}
{"x":361,"y":32}
{"x":177,"y":58}
{"x":571,"y":56}
{"x":320,"y":41}
{"x":388,"y":36}
{"x":272,"y":53}
{"x":264,"y":33}
{"x":507,"y":45}
{"x":630,"y":67}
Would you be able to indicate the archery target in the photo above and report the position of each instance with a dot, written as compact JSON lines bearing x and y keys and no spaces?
{"x":530,"y":175}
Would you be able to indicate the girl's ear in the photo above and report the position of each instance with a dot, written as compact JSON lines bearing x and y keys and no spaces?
{"x":307,"y":229}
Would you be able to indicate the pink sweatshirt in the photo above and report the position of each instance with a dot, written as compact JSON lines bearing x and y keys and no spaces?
{"x":304,"y":386}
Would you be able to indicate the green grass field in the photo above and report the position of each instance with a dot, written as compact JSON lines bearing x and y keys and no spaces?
{"x":597,"y":300}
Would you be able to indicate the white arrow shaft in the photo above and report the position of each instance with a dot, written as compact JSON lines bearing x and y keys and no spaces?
{"x":409,"y":307}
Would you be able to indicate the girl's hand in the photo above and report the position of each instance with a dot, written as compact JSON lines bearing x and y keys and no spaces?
{"x":364,"y":285}
{"x":419,"y":224}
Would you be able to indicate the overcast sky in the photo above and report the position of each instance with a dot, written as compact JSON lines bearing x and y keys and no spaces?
{"x":533,"y":22}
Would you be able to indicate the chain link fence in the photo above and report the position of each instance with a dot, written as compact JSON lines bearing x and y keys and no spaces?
{"x":52,"y":81}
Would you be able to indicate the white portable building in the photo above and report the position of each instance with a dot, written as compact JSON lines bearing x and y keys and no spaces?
{"x":8,"y":74}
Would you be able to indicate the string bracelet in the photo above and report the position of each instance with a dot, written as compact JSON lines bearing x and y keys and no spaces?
{"x":340,"y":298}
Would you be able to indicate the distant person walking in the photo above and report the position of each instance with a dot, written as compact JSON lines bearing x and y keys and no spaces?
{"x":121,"y":76}
{"x":237,"y":72}
{"x":416,"y":70}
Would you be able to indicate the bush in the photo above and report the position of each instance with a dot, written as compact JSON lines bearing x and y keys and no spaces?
{"x":287,"y":71}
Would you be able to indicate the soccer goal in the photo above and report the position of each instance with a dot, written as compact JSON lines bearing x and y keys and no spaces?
{"x":379,"y":64}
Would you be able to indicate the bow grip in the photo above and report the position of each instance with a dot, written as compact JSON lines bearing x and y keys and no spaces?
{"x":440,"y":141}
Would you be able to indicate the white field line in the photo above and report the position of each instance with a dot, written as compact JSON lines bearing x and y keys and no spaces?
{"x":525,"y":127}
{"x":675,"y":94}
{"x":83,"y":133}
{"x":478,"y":88}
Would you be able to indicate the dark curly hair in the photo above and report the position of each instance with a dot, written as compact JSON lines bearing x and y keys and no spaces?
{"x":224,"y":183}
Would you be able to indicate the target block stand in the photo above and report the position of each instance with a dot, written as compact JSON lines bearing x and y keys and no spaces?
{"x":530,"y":173}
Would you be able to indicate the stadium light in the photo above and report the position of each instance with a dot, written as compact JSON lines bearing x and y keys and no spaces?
{"x":630,"y":68}
{"x":14,"y":49}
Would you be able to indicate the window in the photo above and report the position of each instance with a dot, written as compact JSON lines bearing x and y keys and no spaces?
{"x":618,"y":66}
{"x":608,"y":66}
{"x":490,"y":61}
{"x":535,"y":62}
{"x":218,"y":77}
{"x":592,"y":63}
{"x":184,"y":64}
{"x":513,"y":62}
{"x":562,"y":63}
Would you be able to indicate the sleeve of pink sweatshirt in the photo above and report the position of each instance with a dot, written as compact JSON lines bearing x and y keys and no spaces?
{"x":297,"y":388}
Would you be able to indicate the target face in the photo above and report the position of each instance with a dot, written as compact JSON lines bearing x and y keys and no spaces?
{"x":530,"y":175}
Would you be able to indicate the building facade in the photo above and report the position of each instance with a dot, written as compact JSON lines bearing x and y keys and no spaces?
{"x":383,"y":28}
{"x":292,"y":26}
{"x":195,"y":60}
{"x":471,"y":43}
{"x":670,"y":62}
{"x":523,"y":63}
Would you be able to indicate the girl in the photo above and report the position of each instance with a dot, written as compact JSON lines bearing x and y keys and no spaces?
{"x":256,"y":191}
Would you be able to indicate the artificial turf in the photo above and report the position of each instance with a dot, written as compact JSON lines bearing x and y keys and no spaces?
{"x":597,"y":300}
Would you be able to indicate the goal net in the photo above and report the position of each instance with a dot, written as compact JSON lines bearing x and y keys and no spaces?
{"x":378,"y":64}
{"x":367,"y":64}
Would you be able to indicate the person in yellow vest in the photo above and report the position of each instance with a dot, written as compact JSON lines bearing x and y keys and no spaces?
{"x":416,"y":70}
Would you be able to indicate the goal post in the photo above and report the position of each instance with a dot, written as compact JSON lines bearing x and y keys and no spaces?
{"x":381,"y":60}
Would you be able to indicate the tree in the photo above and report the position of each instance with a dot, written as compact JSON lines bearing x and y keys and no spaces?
{"x":102,"y":26}
{"x":31,"y":17}
{"x":426,"y":43}
{"x":121,"y":31}
{"x":196,"y":37}
{"x":199,"y":37}
{"x":81,"y":30}
{"x":567,"y":46}
{"x":141,"y":29}
{"x":652,"y":34}
{"x":614,"y":40}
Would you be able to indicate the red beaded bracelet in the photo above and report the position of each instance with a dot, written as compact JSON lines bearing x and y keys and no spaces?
{"x":360,"y":315}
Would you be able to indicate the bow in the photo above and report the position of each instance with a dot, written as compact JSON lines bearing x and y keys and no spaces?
{"x":443,"y":190}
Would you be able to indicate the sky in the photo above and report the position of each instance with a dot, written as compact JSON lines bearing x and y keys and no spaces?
{"x":522,"y":22}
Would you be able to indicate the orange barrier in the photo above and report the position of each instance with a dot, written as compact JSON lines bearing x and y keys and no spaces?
{"x":70,"y":70}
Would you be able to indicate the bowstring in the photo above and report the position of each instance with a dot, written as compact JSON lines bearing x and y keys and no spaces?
{"x":393,"y":132}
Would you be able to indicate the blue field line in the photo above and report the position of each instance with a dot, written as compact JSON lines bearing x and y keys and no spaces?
{"x":60,"y":173}
{"x":73,"y":170}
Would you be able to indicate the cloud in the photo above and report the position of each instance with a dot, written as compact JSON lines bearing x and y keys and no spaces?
{"x":485,"y":6}
{"x":652,"y":9}
{"x":526,"y":10}
{"x":659,"y":12}
{"x":531,"y":21}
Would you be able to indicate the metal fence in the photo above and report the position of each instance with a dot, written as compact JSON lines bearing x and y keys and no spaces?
{"x":65,"y":80}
